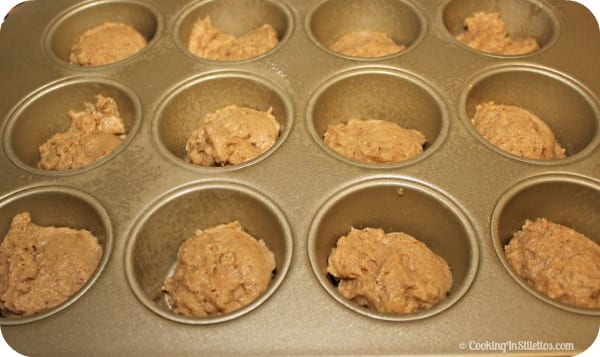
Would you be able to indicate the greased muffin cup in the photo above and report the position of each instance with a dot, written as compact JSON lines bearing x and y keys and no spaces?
{"x":461,"y":196}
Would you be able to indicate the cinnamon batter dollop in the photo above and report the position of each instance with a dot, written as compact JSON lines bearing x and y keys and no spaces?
{"x":207,"y":41}
{"x":486,"y":32}
{"x":219,"y":270}
{"x":41,"y":267}
{"x":231,"y":136}
{"x":374,"y":141}
{"x":557,"y":261}
{"x":516,"y":131}
{"x":391,"y":273}
{"x":94,"y":133}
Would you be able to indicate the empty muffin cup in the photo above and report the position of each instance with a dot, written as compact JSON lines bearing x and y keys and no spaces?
{"x":565,"y":105}
{"x":64,"y":31}
{"x":382,"y":94}
{"x":46,"y":112}
{"x":568,"y":200}
{"x":184,"y":108}
{"x":396,"y":205}
{"x":59,"y":206}
{"x":523,"y":18}
{"x":235,"y":17}
{"x":151,"y":250}
{"x":399,"y":19}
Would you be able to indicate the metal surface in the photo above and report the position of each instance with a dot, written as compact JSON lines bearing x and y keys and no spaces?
{"x":462,"y":196}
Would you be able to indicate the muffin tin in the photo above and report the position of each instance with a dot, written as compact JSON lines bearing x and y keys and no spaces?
{"x":462,"y":197}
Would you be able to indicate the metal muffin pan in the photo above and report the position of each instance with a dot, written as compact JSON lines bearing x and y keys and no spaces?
{"x":461,"y":196}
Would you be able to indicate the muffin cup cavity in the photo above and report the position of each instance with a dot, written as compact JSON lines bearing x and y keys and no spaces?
{"x":332,"y":19}
{"x":566,"y":106}
{"x":46,"y":112}
{"x":59,"y":206}
{"x":151,"y":251}
{"x":378,"y":93}
{"x":184,"y":108}
{"x":235,"y":17}
{"x":571,"y":201}
{"x":64,"y":31}
{"x":523,"y":18}
{"x":396,"y":205}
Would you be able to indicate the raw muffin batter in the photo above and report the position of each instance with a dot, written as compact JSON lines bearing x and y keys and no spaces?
{"x":366,"y":44}
{"x":94,"y":133}
{"x":219,"y":270}
{"x":486,"y":32}
{"x":209,"y":42}
{"x":231,"y":136}
{"x":41,"y":267}
{"x":374,"y":141}
{"x":558,"y":262}
{"x":391,"y":273}
{"x":106,"y":43}
{"x":517,"y":131}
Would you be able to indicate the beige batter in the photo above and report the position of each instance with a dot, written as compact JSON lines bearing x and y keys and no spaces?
{"x":219,"y":270}
{"x":391,"y":273}
{"x":41,"y":267}
{"x":517,"y":131}
{"x":231,"y":136}
{"x":374,"y":141}
{"x":558,"y":262}
{"x":94,"y":133}
{"x":106,"y":43}
{"x":486,"y":32}
{"x":366,"y":44}
{"x":209,"y":42}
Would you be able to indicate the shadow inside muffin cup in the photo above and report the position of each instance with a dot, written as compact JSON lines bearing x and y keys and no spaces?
{"x":523,"y":18}
{"x":571,"y":201}
{"x":151,"y":251}
{"x":185,"y":107}
{"x":59,"y":206}
{"x":396,"y":206}
{"x":332,"y":19}
{"x":378,"y":94}
{"x":46,"y":112}
{"x":235,"y":17}
{"x":66,"y":29}
{"x":563,"y":104}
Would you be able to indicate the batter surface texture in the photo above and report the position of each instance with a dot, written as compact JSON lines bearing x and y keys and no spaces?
{"x":231,"y":136}
{"x":390,"y":273}
{"x":94,"y":133}
{"x":486,"y":32}
{"x":374,"y":141}
{"x":219,"y":270}
{"x":106,"y":43}
{"x":557,"y":261}
{"x":516,"y":131}
{"x":207,"y":41}
{"x":366,"y":44}
{"x":41,"y":267}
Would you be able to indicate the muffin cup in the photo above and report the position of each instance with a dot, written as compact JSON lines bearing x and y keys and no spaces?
{"x":235,"y":17}
{"x":151,"y":251}
{"x":396,"y":205}
{"x":331,"y":19}
{"x":568,"y":107}
{"x":184,"y":108}
{"x":523,"y":18}
{"x":569,"y":200}
{"x":64,"y":31}
{"x":378,"y":93}
{"x":46,"y":112}
{"x":59,"y":206}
